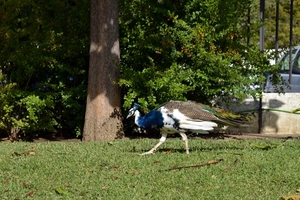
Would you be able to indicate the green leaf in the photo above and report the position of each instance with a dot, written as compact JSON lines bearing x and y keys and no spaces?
{"x":263,"y":147}
{"x":61,"y":191}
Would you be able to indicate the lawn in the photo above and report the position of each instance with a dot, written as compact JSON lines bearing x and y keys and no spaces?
{"x":215,"y":169}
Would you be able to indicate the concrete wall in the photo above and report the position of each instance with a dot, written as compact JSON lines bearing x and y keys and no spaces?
{"x":274,"y":122}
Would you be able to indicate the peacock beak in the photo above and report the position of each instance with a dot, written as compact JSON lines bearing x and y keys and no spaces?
{"x":130,"y":113}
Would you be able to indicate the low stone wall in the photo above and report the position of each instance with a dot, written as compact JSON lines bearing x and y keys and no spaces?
{"x":274,"y":118}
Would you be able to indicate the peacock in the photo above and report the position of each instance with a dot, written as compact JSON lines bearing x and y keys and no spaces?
{"x":181,"y":117}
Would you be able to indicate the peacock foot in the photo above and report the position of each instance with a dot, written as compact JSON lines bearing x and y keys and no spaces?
{"x":148,"y":152}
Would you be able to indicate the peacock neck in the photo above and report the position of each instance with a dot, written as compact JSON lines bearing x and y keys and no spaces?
{"x":153,"y":119}
{"x":137,"y":115}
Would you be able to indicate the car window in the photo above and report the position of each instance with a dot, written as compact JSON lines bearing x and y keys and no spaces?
{"x":297,"y":61}
{"x":296,"y":65}
{"x":286,"y":59}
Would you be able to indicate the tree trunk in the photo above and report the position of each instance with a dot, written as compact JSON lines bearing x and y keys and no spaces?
{"x":103,"y":119}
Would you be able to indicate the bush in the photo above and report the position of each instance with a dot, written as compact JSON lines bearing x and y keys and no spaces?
{"x":194,"y":50}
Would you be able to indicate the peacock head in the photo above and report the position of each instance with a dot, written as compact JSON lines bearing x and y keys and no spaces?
{"x":132,"y":111}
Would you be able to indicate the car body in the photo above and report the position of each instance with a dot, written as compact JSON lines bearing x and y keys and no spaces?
{"x":294,"y":86}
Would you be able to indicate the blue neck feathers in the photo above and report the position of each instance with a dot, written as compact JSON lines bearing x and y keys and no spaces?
{"x":153,"y":119}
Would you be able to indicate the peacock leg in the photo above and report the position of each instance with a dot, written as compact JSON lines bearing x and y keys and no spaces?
{"x":161,"y":140}
{"x":185,"y":139}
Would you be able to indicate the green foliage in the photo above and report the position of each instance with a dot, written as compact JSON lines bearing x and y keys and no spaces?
{"x":284,"y":23}
{"x":44,"y":53}
{"x":194,"y":50}
{"x":178,"y":50}
{"x":4,"y":108}
{"x":25,"y":112}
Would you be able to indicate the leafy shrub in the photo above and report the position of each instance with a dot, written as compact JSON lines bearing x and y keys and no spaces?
{"x":194,"y":50}
{"x":44,"y":52}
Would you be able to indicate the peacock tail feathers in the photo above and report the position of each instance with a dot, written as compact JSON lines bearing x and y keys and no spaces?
{"x":202,"y":112}
{"x":228,"y":115}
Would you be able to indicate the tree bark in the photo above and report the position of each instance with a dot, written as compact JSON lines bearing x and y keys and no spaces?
{"x":103,"y":119}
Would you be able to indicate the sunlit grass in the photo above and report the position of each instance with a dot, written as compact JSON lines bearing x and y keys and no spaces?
{"x":114,"y":170}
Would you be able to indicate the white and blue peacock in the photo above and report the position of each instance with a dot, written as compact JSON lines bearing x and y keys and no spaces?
{"x":181,"y":117}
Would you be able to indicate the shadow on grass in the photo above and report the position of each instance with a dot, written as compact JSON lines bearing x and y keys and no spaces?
{"x":155,"y":133}
{"x":178,"y":145}
{"x":192,"y":150}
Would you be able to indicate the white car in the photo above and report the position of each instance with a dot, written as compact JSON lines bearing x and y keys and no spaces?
{"x":284,"y":71}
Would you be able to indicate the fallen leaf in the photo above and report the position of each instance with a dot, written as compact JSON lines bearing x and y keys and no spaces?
{"x":30,"y":152}
{"x":110,"y":143}
{"x":167,"y":151}
{"x":30,"y":193}
{"x":233,"y":165}
{"x":61,"y":191}
{"x":103,"y":164}
{"x":133,"y":173}
{"x":104,"y":187}
{"x":211,"y":162}
{"x":214,"y":161}
{"x":292,"y":197}
{"x":115,"y":167}
{"x":25,"y":184}
{"x":263,"y":147}
{"x":235,"y":162}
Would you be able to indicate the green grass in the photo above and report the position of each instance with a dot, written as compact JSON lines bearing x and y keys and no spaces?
{"x":103,"y":170}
